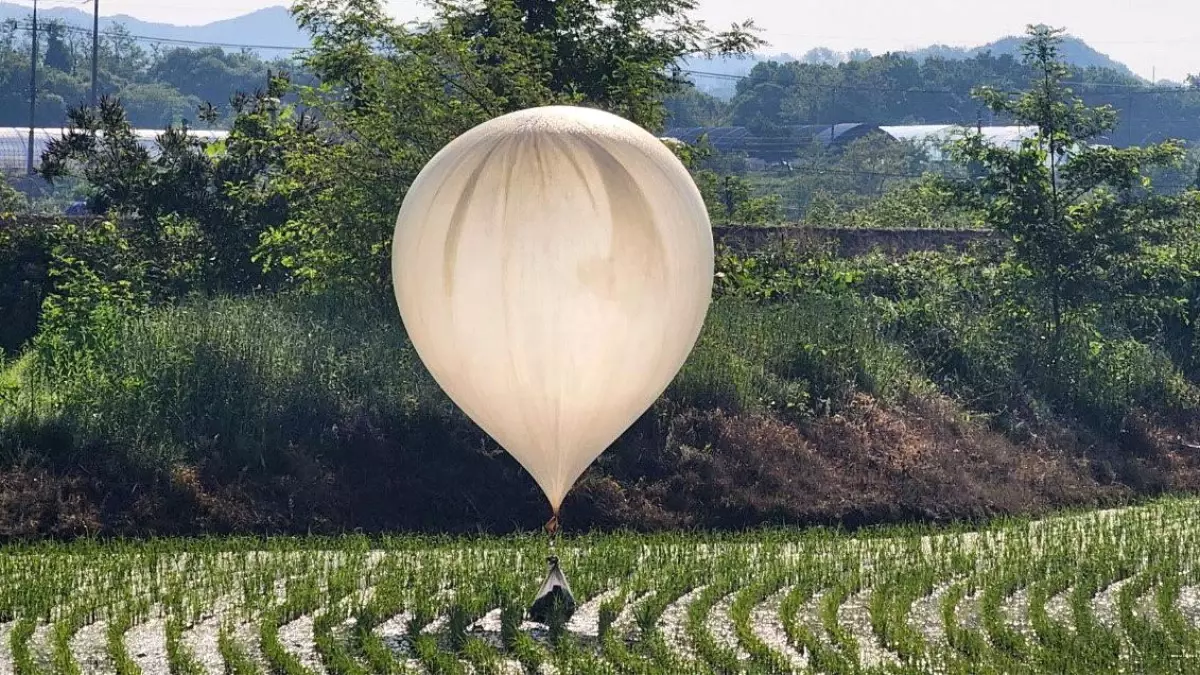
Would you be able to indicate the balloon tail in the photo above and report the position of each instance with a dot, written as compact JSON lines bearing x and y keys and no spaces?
{"x":552,"y":530}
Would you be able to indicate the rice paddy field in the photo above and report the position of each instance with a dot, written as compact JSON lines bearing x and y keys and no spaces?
{"x":1102,"y":592}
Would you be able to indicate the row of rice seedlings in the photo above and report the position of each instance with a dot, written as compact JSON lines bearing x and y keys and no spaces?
{"x":843,"y":642}
{"x":303,"y":597}
{"x":1056,"y":648}
{"x":891,"y":605}
{"x":967,"y":643}
{"x":113,"y":588}
{"x":646,"y":597}
{"x":815,"y":586}
{"x":613,"y":646}
{"x":120,"y":623}
{"x":335,"y":655}
{"x":36,"y":586}
{"x":388,"y":601}
{"x":238,"y":660}
{"x":20,"y":640}
{"x":1010,"y":645}
{"x":180,"y":659}
{"x":334,"y":632}
{"x":734,"y":570}
{"x":1102,"y":644}
{"x":1182,"y":636}
{"x":704,"y":644}
{"x":762,"y":656}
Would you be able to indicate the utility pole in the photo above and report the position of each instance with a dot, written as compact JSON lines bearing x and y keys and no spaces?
{"x":33,"y":57}
{"x":832,"y":115}
{"x":95,"y":48}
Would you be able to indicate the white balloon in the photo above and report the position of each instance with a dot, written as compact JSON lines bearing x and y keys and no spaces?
{"x":553,"y":268}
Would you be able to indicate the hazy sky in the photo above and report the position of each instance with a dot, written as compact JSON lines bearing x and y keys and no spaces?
{"x":1162,"y":36}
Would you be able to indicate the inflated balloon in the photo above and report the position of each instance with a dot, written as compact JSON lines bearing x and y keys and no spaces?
{"x":553,"y":268}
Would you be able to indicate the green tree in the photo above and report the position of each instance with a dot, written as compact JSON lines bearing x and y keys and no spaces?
{"x":1084,"y":219}
{"x":58,"y":51}
{"x":122,"y":59}
{"x":214,"y":200}
{"x":392,"y":96}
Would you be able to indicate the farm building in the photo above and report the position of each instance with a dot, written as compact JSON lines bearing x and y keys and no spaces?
{"x":777,"y":146}
{"x":14,"y":144}
{"x":933,"y":137}
{"x":782,"y":147}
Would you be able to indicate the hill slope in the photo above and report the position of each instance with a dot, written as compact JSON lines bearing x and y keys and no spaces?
{"x":1075,"y":51}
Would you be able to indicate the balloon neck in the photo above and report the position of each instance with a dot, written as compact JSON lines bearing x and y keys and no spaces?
{"x":552,"y":530}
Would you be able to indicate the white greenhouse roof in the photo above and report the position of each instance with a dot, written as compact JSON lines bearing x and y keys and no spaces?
{"x":933,"y":137}
{"x":14,"y":143}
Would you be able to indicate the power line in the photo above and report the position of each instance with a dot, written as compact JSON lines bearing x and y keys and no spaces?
{"x":1140,"y":89}
{"x":177,"y":41}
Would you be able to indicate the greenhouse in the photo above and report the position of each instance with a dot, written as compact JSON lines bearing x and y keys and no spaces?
{"x":14,"y":144}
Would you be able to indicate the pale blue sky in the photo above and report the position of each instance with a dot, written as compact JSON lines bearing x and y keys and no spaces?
{"x":1148,"y":35}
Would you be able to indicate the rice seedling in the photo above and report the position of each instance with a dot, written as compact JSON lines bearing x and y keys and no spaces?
{"x":1110,"y":591}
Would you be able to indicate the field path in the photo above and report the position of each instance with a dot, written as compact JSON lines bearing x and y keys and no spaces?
{"x":147,"y":645}
{"x":925,"y":615}
{"x":6,"y":664}
{"x":1058,"y":608}
{"x":768,"y":628}
{"x":1015,"y":611}
{"x":296,"y":637}
{"x":585,"y":623}
{"x":202,"y":638}
{"x":40,"y":644}
{"x":1105,"y":604}
{"x":1189,"y":604}
{"x":855,"y":616}
{"x":89,"y":646}
{"x":673,"y":624}
{"x":720,"y":626}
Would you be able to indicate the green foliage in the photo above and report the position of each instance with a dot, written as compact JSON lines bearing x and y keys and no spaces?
{"x":394,"y":96}
{"x":972,"y":323}
{"x":198,"y":208}
{"x":898,"y":88}
{"x":874,"y":182}
{"x":11,"y":201}
{"x":1084,"y":219}
{"x":24,"y":280}
{"x":98,"y":283}
{"x":158,"y":86}
{"x":921,"y":204}
{"x":731,"y":200}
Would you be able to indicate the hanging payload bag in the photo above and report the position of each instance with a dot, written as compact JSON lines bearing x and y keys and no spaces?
{"x":554,"y":599}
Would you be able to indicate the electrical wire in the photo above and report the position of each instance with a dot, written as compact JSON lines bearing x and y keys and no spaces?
{"x":177,"y":41}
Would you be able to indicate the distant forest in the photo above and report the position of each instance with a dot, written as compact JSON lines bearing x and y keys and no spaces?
{"x":157,"y":86}
{"x":903,"y":89}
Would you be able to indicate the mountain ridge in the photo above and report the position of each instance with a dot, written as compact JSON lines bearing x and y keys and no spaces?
{"x":275,"y":27}
{"x":270,"y":26}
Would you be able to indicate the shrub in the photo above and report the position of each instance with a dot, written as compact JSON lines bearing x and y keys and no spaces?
{"x":24,"y":279}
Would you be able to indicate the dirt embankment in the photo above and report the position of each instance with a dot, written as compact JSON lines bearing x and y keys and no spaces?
{"x":920,"y":461}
